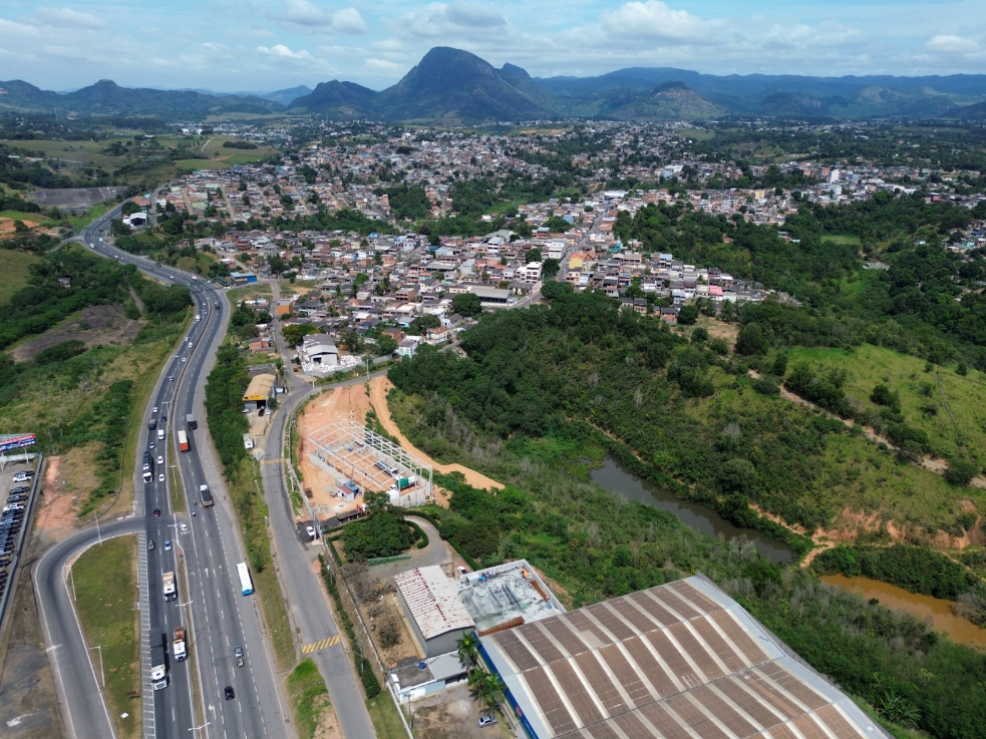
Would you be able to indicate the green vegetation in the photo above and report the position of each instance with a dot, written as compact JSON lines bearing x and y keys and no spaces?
{"x":371,"y":685}
{"x":546,"y":393}
{"x":386,"y":720}
{"x":918,"y":394}
{"x":105,"y":586}
{"x":223,"y":406}
{"x":916,"y":569}
{"x":309,"y":698}
{"x":384,"y":534}
{"x":71,"y":395}
{"x":14,"y":265}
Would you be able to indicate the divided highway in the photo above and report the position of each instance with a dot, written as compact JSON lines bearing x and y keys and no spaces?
{"x":204,"y":550}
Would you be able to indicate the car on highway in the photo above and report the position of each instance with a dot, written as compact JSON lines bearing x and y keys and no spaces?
{"x":164,"y":417}
{"x":150,"y":545}
{"x":160,"y":477}
{"x":160,"y":459}
{"x":184,"y":359}
{"x":230,"y":694}
{"x":238,"y":654}
{"x":171,"y":378}
{"x":167,"y":545}
{"x":183,"y":526}
{"x":151,"y":445}
{"x":157,"y":513}
{"x":154,"y":411}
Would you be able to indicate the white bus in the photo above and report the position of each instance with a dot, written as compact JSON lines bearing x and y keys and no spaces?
{"x":246,"y":584}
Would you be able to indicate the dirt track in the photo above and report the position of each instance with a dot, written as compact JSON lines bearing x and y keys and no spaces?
{"x":378,"y":396}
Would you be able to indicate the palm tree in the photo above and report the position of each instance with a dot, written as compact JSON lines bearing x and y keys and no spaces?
{"x":468,"y":647}
{"x":486,"y":688}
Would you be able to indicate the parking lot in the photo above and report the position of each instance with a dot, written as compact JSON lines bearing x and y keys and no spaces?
{"x":15,"y":487}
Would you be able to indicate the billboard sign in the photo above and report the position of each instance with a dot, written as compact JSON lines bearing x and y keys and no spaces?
{"x":17,"y":442}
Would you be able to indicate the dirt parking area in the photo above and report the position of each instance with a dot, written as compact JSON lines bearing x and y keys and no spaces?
{"x":100,"y":324}
{"x":453,"y":714}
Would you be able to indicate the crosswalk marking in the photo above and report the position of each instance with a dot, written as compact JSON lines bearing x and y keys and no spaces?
{"x":276,"y":460}
{"x":319,"y":645}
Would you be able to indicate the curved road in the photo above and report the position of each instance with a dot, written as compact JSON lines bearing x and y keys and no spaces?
{"x":86,"y":714}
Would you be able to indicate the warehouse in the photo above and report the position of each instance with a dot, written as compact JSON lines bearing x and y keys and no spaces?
{"x":432,"y":606}
{"x":259,"y":392}
{"x":678,"y":661}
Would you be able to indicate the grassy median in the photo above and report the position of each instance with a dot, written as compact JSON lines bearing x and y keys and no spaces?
{"x":105,"y":579}
{"x":309,"y":698}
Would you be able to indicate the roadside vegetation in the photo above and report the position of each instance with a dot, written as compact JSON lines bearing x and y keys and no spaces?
{"x":78,"y":385}
{"x":224,"y":405}
{"x":105,"y":586}
{"x":309,"y":698}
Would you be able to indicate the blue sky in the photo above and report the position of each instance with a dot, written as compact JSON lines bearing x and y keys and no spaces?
{"x":264,"y":45}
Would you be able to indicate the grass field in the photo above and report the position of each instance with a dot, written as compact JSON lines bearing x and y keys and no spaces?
{"x":386,"y":721}
{"x":239,"y":294}
{"x":841,"y":239}
{"x":105,"y":579}
{"x":150,"y":161}
{"x":309,"y":698}
{"x":14,"y":268}
{"x":697,"y":134}
{"x":39,"y":218}
{"x":920,"y":395}
{"x":854,"y":472}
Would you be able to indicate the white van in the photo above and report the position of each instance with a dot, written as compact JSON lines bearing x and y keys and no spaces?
{"x":160,"y":434}
{"x":198,"y":316}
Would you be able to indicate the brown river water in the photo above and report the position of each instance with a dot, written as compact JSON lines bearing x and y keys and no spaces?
{"x":923,"y":606}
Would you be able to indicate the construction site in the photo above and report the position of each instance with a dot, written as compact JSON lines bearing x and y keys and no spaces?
{"x":353,"y":460}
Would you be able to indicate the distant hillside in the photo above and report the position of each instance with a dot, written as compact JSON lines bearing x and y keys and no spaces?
{"x":667,"y":101}
{"x":454,"y":87}
{"x":106,"y":98}
{"x":285,"y":97}
{"x":339,"y":100}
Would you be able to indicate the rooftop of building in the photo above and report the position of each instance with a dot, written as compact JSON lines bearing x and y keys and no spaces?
{"x":681,"y":660}
{"x":432,"y":599}
{"x":506,"y":595}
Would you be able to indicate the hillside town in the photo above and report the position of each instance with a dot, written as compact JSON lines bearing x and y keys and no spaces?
{"x":371,"y":282}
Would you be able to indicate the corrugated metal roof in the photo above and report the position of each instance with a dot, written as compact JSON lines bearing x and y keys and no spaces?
{"x":261,"y":386}
{"x":433,"y":601}
{"x":679,"y":661}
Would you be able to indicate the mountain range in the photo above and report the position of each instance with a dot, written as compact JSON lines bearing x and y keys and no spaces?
{"x":453,"y":87}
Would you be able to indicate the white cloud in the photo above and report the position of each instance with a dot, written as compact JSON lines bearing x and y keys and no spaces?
{"x":348,"y":20}
{"x":68,"y":18}
{"x":441,"y":20}
{"x":656,"y":21}
{"x":947,"y":44}
{"x":304,"y":13}
{"x":283,"y":52}
{"x":307,"y":15}
{"x":383,"y":65}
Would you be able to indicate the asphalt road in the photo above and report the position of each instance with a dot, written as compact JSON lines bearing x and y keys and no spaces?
{"x":217,"y":616}
{"x":86,"y":715}
{"x":302,"y":589}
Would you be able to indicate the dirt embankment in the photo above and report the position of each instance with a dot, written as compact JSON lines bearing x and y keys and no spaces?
{"x":379,"y":388}
{"x":100,"y":324}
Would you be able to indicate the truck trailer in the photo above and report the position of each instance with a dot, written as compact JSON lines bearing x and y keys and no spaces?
{"x":170,"y":591}
{"x":183,"y":441}
{"x":178,"y":648}
{"x":403,"y":483}
{"x":206,"y":496}
{"x":159,"y":664}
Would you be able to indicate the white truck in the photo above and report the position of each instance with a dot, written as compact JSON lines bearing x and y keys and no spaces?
{"x":170,"y":591}
{"x":178,"y":648}
{"x":159,"y":666}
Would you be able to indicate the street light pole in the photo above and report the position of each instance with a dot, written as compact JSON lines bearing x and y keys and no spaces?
{"x":199,"y":728}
